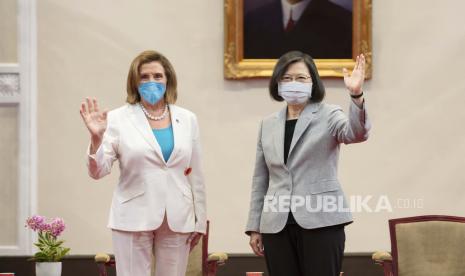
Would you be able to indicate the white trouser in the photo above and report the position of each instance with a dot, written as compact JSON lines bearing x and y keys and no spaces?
{"x":134,"y":250}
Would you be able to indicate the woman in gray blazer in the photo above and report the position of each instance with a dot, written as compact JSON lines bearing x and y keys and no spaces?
{"x":298,"y":209}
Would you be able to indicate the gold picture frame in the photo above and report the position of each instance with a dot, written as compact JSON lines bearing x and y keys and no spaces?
{"x":236,"y":67}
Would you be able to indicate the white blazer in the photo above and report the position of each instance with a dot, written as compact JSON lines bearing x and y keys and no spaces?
{"x":148,"y":186}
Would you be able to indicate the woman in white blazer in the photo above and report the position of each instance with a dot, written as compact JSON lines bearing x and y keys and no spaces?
{"x":159,"y":203}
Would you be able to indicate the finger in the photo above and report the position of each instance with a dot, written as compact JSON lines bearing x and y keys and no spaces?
{"x":255,"y":248}
{"x":90,"y":108}
{"x":83,"y":108}
{"x":363,"y":63}
{"x":345,"y":73}
{"x":357,"y":63}
{"x":259,"y":251}
{"x":104,"y":114}
{"x":83,"y":112}
{"x":82,"y":115}
{"x":252,"y":245}
{"x":260,"y":246}
{"x":192,"y":245}
{"x":189,"y":239}
{"x":94,"y":102}
{"x":192,"y":238}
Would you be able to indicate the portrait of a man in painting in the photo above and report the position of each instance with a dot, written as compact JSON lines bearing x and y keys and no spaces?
{"x":321,"y":28}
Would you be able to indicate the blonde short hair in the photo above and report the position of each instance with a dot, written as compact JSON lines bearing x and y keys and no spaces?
{"x":171,"y":93}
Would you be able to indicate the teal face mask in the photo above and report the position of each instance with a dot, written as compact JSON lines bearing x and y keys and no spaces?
{"x":152,"y":92}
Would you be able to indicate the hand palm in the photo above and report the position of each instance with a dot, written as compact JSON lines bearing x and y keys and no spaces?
{"x":354,"y":82}
{"x":96,"y":121}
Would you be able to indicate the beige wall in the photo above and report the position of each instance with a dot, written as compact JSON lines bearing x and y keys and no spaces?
{"x":8,"y":31}
{"x":415,"y":100}
{"x":9,"y":174}
{"x":9,"y":124}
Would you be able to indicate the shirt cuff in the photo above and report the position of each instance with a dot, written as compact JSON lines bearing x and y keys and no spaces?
{"x":98,"y":155}
{"x":359,"y":108}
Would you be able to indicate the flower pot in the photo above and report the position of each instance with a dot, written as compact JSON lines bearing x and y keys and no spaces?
{"x":48,"y":269}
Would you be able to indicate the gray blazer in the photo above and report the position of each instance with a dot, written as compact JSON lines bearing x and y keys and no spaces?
{"x":311,"y":170}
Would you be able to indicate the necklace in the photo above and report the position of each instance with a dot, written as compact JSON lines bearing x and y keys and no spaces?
{"x":155,"y":118}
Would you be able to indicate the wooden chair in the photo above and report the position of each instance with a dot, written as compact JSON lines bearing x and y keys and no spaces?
{"x":425,"y":246}
{"x":199,"y":264}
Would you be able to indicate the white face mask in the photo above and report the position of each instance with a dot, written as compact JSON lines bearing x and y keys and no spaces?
{"x":295,"y":92}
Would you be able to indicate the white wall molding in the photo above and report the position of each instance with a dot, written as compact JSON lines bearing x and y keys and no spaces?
{"x":9,"y":68}
{"x":18,"y":85}
{"x":9,"y":84}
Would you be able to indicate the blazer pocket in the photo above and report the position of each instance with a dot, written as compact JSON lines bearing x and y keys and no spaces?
{"x":324,"y":186}
{"x":126,"y":195}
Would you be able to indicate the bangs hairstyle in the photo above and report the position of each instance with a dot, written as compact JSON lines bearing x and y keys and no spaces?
{"x":318,"y":90}
{"x":171,"y":93}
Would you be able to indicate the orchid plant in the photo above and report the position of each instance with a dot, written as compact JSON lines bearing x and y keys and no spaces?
{"x":50,"y":248}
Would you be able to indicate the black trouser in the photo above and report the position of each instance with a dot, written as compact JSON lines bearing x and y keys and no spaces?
{"x":296,"y":251}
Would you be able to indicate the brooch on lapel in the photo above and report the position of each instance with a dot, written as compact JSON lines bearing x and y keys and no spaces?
{"x":187,"y":171}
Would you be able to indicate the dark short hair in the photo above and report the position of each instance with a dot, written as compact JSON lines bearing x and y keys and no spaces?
{"x":318,"y":90}
{"x":132,"y":85}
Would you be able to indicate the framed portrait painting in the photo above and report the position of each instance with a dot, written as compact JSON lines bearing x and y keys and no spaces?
{"x":332,"y":32}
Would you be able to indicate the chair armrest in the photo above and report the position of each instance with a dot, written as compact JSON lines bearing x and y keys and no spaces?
{"x":214,"y":260}
{"x":381,"y":256}
{"x":383,"y":259}
{"x":102,"y":258}
{"x":218,"y":257}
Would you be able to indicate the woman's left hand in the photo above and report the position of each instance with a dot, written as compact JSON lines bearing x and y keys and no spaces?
{"x":354,"y":82}
{"x":193,"y":239}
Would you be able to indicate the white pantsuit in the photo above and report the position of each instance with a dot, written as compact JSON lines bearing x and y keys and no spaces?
{"x":149,"y":187}
{"x":135,"y":250}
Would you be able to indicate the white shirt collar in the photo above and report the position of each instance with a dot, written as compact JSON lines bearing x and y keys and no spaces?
{"x":297,"y":10}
